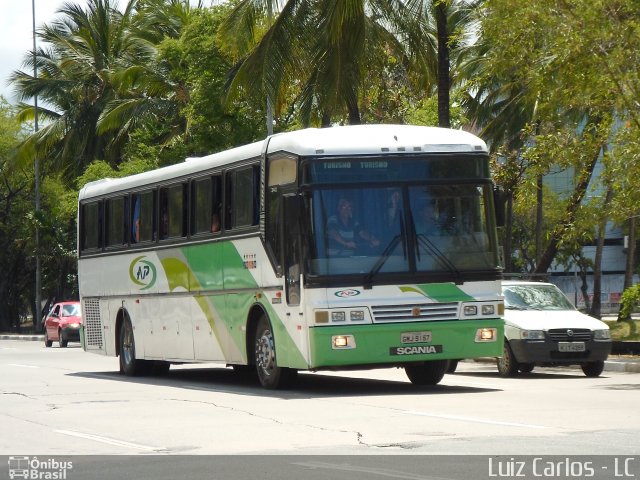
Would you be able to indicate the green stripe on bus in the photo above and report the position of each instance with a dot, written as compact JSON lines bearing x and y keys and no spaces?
{"x":440,"y":292}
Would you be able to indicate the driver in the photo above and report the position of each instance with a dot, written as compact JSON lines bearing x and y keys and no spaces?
{"x":344,"y":231}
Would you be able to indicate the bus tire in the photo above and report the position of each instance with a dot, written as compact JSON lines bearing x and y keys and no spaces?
{"x":270,"y":375}
{"x":507,"y":363}
{"x":452,"y":366}
{"x":429,"y":373}
{"x":129,"y":365}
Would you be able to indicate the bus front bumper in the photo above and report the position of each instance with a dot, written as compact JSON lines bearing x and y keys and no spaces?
{"x":402,"y":343}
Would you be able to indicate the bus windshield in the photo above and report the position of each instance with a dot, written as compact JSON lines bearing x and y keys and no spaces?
{"x":365,"y":230}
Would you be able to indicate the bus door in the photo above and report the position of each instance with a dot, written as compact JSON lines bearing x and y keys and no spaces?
{"x":291,"y":246}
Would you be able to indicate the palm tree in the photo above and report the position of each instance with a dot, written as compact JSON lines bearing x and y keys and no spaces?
{"x":74,"y":83}
{"x":321,"y":47}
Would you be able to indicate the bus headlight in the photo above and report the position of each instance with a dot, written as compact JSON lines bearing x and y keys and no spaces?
{"x":486,"y":335}
{"x":341,"y":342}
{"x":488,"y":310}
{"x":356,"y":315}
{"x":338,"y":316}
{"x":470,"y":310}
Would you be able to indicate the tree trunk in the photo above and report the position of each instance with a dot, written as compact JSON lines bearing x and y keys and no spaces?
{"x":570,"y":213}
{"x":538,"y":218}
{"x":354,"y":112}
{"x":444,"y":77}
{"x":631,"y":254}
{"x":596,"y":305}
{"x":508,"y":234}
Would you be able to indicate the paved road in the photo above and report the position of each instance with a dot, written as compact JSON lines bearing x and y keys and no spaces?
{"x":65,"y":401}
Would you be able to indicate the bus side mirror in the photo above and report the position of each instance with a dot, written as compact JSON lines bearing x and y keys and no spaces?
{"x":500,"y":202}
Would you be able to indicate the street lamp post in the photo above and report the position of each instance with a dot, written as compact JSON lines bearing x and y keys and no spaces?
{"x":38,"y":299}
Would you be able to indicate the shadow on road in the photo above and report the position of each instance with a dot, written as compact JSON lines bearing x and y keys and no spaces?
{"x":307,"y":385}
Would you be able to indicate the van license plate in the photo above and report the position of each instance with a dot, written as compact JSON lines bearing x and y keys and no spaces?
{"x":415,"y":337}
{"x":571,"y":346}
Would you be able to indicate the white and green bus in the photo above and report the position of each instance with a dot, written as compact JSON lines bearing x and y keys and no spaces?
{"x":321,"y":249}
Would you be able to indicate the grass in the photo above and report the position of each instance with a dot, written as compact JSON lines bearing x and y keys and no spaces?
{"x":626,"y":330}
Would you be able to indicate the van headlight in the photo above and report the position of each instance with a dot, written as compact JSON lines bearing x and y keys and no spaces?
{"x":604,"y":334}
{"x":532,"y":335}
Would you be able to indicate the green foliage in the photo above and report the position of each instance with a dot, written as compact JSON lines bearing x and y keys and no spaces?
{"x":629,"y":302}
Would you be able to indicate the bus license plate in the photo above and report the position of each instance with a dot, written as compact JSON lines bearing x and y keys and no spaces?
{"x":415,"y":337}
{"x":571,"y":346}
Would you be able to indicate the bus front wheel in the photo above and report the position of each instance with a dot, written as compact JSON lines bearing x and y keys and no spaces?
{"x":270,"y":375}
{"x":430,"y":373}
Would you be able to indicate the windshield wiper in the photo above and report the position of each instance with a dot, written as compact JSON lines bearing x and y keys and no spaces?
{"x":368,"y":279}
{"x":436,"y":253}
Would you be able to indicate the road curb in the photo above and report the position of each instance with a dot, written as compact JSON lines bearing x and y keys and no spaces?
{"x":33,"y":337}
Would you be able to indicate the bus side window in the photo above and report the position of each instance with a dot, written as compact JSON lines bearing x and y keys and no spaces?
{"x":91,"y":226}
{"x":116,"y":222}
{"x":201,"y":206}
{"x":216,"y":203}
{"x":242,"y":197}
{"x":172,"y":211}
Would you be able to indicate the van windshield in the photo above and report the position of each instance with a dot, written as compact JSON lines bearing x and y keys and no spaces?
{"x":535,"y":297}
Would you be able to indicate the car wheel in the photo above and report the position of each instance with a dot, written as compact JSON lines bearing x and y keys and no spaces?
{"x":507,"y":364}
{"x":270,"y":375}
{"x":593,"y":369}
{"x":430,"y":373}
{"x":451,"y":367}
{"x":47,"y":342}
{"x":62,"y":340}
{"x":526,"y":367}
{"x":129,"y":365}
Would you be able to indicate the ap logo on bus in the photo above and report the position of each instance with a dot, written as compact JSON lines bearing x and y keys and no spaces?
{"x":142,"y":272}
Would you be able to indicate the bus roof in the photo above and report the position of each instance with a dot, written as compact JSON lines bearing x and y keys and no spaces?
{"x":345,"y":140}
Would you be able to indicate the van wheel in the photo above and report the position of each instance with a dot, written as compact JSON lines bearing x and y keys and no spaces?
{"x":593,"y":369}
{"x":430,"y":373}
{"x":270,"y":375}
{"x":507,"y":364}
{"x":129,"y":365}
{"x":526,"y":367}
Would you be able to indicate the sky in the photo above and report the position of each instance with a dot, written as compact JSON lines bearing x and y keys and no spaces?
{"x":16,"y":34}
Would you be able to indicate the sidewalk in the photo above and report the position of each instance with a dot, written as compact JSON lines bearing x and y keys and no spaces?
{"x":615,"y":363}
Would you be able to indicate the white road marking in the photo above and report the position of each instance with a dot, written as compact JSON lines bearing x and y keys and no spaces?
{"x":21,"y":365}
{"x":110,"y":441}
{"x":474,"y":420}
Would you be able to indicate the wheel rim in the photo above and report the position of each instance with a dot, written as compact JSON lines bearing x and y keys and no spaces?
{"x":266,"y":353}
{"x":128,"y":351}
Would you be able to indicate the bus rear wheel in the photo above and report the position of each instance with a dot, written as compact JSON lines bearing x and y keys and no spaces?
{"x":270,"y":375}
{"x":129,"y":365}
{"x":429,"y":373}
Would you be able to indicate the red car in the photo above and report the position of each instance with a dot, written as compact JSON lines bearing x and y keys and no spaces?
{"x":63,"y":324}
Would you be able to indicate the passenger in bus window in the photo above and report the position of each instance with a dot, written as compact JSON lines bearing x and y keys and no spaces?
{"x":394,"y":208}
{"x":427,"y":222}
{"x":215,"y":223}
{"x":135,"y":221}
{"x":345,"y":233}
{"x":164,"y":225}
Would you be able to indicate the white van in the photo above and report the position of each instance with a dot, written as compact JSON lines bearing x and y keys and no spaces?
{"x":543,"y":328}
